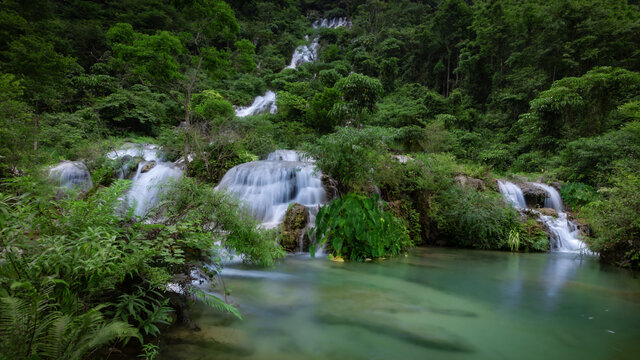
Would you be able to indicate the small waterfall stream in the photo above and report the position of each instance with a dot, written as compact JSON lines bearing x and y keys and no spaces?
{"x":302,"y":54}
{"x":151,"y":176}
{"x":71,"y":175}
{"x":267,"y":187}
{"x":562,"y":231}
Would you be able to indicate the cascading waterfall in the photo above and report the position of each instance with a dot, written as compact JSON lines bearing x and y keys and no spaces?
{"x":267,"y":187}
{"x":261,"y":104}
{"x":72,"y":174}
{"x":562,"y":231}
{"x":150,"y":178}
{"x":512,"y":194}
{"x":303,"y":54}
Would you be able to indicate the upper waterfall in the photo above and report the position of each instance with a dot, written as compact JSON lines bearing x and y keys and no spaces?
{"x":267,"y":187}
{"x":301,"y":55}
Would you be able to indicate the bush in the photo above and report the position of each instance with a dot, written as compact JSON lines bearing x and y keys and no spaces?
{"x":468,"y":218}
{"x":577,"y":195}
{"x":615,"y":220}
{"x":357,"y":229}
{"x":351,"y":156}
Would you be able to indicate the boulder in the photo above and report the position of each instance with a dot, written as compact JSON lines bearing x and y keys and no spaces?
{"x":148,"y":166}
{"x":293,"y":228}
{"x":533,"y":196}
{"x":548,"y":212}
{"x":467,"y":182}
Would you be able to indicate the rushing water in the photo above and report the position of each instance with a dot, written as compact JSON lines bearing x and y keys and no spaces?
{"x":151,"y":176}
{"x":72,"y":175}
{"x":301,"y":55}
{"x":267,"y":187}
{"x":563,"y":233}
{"x":432,"y":304}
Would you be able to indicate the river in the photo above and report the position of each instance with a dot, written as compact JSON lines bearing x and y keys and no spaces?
{"x":431,"y":304}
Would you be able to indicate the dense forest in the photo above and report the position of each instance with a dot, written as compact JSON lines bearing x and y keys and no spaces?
{"x":413,"y":110}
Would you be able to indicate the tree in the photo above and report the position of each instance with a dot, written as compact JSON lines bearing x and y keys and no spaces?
{"x":173,"y":63}
{"x":359,"y":94}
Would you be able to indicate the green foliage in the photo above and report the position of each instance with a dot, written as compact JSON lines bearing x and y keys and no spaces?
{"x":351,"y":155}
{"x":469,"y":218}
{"x":357,"y":229}
{"x":615,"y":220}
{"x":359,"y":94}
{"x":577,"y":195}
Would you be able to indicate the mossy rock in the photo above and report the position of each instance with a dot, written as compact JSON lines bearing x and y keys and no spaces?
{"x":293,"y":226}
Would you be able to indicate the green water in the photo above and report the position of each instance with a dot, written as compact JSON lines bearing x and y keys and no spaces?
{"x":432,"y":304}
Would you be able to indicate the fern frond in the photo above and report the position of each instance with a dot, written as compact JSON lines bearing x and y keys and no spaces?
{"x":214,"y":302}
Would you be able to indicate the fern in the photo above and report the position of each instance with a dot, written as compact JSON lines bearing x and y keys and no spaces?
{"x":214,"y":302}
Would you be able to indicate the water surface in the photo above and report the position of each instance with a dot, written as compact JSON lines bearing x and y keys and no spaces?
{"x":431,"y":304}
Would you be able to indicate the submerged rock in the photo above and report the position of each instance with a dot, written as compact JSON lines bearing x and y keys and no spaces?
{"x":72,"y":175}
{"x":293,"y":226}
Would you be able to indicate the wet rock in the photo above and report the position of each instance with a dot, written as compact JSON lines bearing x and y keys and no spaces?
{"x":548,"y":212}
{"x":556,"y":185}
{"x":293,"y":226}
{"x":148,"y":166}
{"x":467,"y":182}
{"x":330,"y":187}
{"x":533,"y":196}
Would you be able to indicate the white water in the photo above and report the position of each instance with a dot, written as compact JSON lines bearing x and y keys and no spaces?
{"x":553,"y":199}
{"x":512,"y":194}
{"x":147,"y":187}
{"x":267,"y":187}
{"x":563,"y":233}
{"x":72,"y":174}
{"x":261,"y":104}
{"x":302,"y":54}
{"x":331,"y":23}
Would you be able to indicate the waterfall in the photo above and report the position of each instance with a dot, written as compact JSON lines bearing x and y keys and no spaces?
{"x":72,"y":174}
{"x":563,"y":232}
{"x":553,"y":200}
{"x":261,"y":104}
{"x":302,"y":54}
{"x":512,"y":194}
{"x":267,"y":187}
{"x":152,"y":175}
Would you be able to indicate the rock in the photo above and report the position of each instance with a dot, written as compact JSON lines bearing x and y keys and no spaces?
{"x":467,"y":182}
{"x":329,"y":186}
{"x":293,"y":226}
{"x":148,"y":166}
{"x":533,"y":196}
{"x":548,"y":212}
{"x":556,"y":185}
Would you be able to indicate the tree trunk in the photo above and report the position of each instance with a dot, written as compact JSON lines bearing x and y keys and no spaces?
{"x":35,"y":132}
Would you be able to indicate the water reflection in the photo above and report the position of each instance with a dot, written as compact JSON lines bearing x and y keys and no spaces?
{"x":435,"y":303}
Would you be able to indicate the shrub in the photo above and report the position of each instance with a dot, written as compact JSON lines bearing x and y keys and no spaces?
{"x":468,"y":218}
{"x":357,"y":229}
{"x":615,"y":220}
